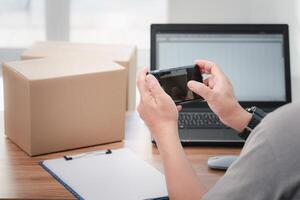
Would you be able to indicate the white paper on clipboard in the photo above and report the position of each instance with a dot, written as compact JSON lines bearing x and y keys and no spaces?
{"x":119,"y":175}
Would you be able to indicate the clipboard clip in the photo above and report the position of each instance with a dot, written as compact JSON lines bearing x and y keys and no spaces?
{"x":67,"y":158}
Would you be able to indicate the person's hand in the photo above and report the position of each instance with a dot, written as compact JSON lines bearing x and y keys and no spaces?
{"x":218,"y":92}
{"x":156,"y":108}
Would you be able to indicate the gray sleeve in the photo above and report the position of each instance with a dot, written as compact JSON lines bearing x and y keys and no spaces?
{"x":252,"y":175}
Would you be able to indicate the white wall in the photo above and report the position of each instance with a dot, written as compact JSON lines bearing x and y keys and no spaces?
{"x":57,"y":19}
{"x":242,"y":11}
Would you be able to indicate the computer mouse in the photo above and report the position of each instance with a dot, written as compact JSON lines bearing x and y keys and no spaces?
{"x":221,"y":162}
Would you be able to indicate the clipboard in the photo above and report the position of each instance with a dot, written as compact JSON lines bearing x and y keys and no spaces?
{"x":110,"y":174}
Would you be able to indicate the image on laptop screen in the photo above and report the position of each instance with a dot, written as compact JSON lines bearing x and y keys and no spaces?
{"x":253,"y":62}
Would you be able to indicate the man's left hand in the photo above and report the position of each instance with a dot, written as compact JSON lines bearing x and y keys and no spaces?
{"x":156,"y":108}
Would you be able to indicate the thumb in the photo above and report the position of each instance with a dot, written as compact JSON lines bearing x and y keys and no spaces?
{"x":200,"y":88}
{"x":154,"y":86}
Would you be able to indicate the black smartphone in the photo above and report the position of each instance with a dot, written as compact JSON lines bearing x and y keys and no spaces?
{"x":174,"y":82}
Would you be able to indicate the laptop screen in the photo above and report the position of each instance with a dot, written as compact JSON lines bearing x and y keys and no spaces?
{"x":253,"y":62}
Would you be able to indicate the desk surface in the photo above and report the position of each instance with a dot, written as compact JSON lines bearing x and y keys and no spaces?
{"x":21,"y":176}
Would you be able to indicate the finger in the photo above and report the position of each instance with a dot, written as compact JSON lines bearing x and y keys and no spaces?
{"x":140,"y":110}
{"x":209,"y":82}
{"x":141,"y":82}
{"x":200,"y":88}
{"x":209,"y":67}
{"x":153,"y":85}
{"x":179,"y":108}
{"x":204,"y":65}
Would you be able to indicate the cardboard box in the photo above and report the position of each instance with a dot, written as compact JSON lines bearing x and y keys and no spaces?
{"x":125,"y":55}
{"x":55,"y":104}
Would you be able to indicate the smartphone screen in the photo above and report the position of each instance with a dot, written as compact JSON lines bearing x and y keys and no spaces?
{"x":174,"y":82}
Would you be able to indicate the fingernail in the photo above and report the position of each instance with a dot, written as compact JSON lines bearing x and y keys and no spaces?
{"x":150,"y":80}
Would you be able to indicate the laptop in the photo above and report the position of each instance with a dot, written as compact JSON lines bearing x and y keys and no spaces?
{"x":255,"y":57}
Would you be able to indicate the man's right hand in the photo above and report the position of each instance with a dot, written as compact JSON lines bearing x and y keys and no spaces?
{"x":218,"y":92}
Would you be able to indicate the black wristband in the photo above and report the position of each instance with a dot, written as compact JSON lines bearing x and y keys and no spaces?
{"x":257,"y":116}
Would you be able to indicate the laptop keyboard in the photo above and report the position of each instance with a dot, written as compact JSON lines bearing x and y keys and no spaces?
{"x":196,"y":120}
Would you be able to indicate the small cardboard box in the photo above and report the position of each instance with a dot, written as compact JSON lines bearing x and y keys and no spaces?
{"x":125,"y":55}
{"x":55,"y":104}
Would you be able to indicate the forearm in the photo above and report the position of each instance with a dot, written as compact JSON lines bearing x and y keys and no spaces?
{"x":182,"y":181}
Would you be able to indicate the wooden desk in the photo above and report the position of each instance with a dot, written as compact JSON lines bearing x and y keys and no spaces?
{"x":22,"y":178}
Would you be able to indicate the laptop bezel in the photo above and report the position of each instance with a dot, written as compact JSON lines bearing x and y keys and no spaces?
{"x":229,"y":28}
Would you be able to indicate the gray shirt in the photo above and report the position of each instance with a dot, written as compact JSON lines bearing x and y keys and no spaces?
{"x":269,"y":165}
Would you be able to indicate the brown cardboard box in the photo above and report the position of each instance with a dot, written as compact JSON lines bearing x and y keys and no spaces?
{"x":54,"y":104}
{"x":124,"y":55}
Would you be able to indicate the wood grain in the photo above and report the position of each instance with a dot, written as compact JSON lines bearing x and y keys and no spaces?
{"x":22,"y":178}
